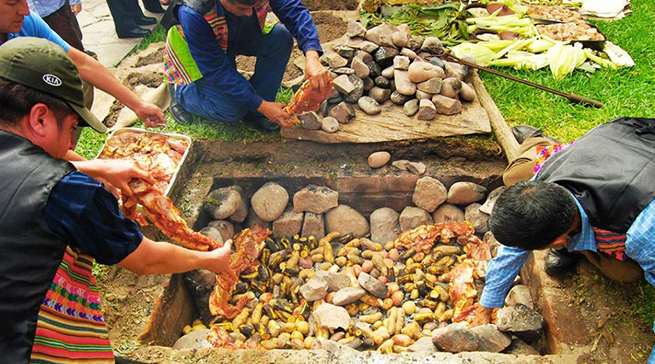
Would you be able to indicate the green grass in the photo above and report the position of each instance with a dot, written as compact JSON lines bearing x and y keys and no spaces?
{"x":626,"y":92}
{"x":643,"y":303}
{"x":158,"y":34}
{"x":284,"y":95}
{"x":90,"y":142}
{"x":202,"y":129}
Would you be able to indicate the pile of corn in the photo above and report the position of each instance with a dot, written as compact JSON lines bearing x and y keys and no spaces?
{"x":278,"y":317}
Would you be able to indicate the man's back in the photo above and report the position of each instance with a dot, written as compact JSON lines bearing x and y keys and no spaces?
{"x":610,"y":171}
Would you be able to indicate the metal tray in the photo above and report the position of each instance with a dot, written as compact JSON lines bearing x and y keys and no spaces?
{"x":545,"y":21}
{"x":597,"y":45}
{"x":173,"y":180}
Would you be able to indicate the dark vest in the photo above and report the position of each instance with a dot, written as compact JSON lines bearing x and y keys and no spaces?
{"x":29,"y":252}
{"x":170,"y":16}
{"x":610,"y":171}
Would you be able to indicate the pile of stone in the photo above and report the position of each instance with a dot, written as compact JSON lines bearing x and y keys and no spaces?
{"x":517,"y":324}
{"x":315,"y":210}
{"x":389,"y":64}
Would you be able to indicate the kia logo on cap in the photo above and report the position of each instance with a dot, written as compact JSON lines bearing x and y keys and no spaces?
{"x":51,"y":80}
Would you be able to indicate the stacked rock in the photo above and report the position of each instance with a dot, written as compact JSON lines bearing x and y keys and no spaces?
{"x":315,"y":210}
{"x":389,"y":64}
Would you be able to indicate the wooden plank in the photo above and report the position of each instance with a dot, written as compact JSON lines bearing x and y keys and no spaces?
{"x":501,"y":129}
{"x":393,"y":125}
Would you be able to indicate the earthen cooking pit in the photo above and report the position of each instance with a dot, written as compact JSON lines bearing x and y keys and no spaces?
{"x":344,"y":169}
{"x":567,"y":338}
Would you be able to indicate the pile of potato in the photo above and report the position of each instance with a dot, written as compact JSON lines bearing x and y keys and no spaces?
{"x":416,"y":302}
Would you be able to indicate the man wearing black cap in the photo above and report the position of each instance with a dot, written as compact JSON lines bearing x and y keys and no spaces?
{"x":55,"y":221}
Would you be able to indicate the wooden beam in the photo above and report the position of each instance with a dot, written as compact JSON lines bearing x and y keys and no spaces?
{"x":501,"y":129}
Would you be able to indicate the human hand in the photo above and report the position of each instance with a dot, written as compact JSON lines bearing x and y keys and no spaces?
{"x":76,"y":8}
{"x":151,"y":115}
{"x":314,"y":71}
{"x":109,"y":187}
{"x":219,"y":261}
{"x":113,"y":190}
{"x":482,"y":316}
{"x":118,"y":173}
{"x":274,"y":111}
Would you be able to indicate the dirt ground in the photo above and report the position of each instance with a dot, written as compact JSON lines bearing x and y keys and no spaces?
{"x":127,"y":301}
{"x":151,"y":58}
{"x":476,"y":156}
{"x":621,"y":336}
{"x":331,"y":4}
{"x":153,"y":79}
{"x":329,"y":28}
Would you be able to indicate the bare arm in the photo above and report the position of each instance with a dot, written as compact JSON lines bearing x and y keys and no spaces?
{"x":72,"y":156}
{"x":153,"y":257}
{"x":96,"y":74}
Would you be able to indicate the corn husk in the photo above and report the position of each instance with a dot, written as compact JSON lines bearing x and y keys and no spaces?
{"x":509,"y":23}
{"x":483,"y":55}
{"x":603,"y":62}
{"x":564,"y":59}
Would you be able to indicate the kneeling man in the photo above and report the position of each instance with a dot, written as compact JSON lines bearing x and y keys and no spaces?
{"x":201,"y":51}
{"x":593,"y":199}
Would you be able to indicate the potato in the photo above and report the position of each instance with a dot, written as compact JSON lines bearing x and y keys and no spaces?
{"x":409,"y":307}
{"x":367,"y":266}
{"x":397,"y":298}
{"x":402,"y":340}
{"x":268,"y":344}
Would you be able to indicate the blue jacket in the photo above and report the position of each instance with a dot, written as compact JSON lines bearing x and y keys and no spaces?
{"x":218,"y":68}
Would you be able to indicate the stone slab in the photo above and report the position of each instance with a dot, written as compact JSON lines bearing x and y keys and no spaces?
{"x":103,"y":102}
{"x":99,"y":34}
{"x":393,"y":125}
{"x":335,"y":354}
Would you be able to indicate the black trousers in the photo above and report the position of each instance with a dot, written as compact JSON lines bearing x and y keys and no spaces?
{"x":124,"y":12}
{"x":64,"y":23}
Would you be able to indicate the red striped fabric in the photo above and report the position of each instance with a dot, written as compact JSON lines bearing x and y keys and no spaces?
{"x":611,"y":243}
{"x":174,"y":69}
{"x":219,"y":23}
{"x":70,"y":325}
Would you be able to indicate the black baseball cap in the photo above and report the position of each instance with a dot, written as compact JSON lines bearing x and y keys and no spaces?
{"x":44,"y":66}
